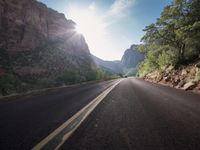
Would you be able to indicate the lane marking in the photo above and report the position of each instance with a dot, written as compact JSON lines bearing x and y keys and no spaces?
{"x":59,"y":136}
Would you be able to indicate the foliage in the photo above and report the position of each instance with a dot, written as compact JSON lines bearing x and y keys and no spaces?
{"x":45,"y":83}
{"x":174,"y":38}
{"x":95,"y":74}
{"x":68,"y":77}
{"x":8,"y":83}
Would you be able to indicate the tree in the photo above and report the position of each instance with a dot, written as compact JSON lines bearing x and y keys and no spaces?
{"x":175,"y":34}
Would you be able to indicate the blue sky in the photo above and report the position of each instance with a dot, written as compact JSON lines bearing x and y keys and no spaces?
{"x":110,"y":26}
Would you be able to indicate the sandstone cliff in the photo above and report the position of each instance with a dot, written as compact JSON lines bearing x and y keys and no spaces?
{"x":27,"y":24}
{"x":36,"y":41}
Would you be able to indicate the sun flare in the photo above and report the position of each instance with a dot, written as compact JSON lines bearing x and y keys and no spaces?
{"x":90,"y":24}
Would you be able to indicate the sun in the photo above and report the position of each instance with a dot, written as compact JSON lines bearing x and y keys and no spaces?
{"x":89,"y":24}
{"x":94,"y":27}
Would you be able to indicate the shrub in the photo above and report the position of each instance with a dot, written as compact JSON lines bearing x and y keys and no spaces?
{"x":68,"y":77}
{"x":45,"y":83}
{"x":8,"y":84}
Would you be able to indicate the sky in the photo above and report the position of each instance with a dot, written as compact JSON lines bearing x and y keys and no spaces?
{"x":110,"y":26}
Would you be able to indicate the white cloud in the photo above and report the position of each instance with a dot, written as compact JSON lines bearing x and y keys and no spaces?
{"x":119,"y":6}
{"x":92,"y":6}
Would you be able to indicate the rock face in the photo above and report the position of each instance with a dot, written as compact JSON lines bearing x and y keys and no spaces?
{"x":25,"y":24}
{"x":132,"y":57}
{"x":127,"y":65}
{"x":39,"y":40}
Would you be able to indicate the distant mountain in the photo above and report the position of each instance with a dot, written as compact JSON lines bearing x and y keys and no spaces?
{"x":109,"y":66}
{"x":132,"y":57}
{"x":126,"y":65}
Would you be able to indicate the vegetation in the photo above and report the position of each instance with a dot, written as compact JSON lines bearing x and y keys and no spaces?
{"x":11,"y":83}
{"x":173,"y":39}
{"x":45,"y":67}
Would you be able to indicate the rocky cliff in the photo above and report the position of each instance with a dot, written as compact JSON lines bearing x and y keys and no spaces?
{"x":27,"y":25}
{"x":132,"y":57}
{"x":36,"y":41}
{"x":127,"y":65}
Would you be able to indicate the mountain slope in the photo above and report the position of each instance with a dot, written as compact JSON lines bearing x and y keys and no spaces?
{"x":37,"y":42}
{"x":109,"y":66}
{"x":132,"y":57}
{"x":127,"y":65}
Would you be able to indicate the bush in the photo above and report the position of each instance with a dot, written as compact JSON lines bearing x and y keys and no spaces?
{"x":95,"y":74}
{"x":45,"y":83}
{"x":68,"y":77}
{"x":157,"y":58}
{"x":8,"y":84}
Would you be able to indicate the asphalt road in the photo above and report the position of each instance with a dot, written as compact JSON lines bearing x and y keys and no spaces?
{"x":138,"y":115}
{"x":27,"y":120}
{"x":135,"y":115}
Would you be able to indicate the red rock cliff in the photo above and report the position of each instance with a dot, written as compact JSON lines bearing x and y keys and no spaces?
{"x":28,"y":24}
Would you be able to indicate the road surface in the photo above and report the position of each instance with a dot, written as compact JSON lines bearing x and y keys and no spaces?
{"x":135,"y":115}
{"x":26,"y":121}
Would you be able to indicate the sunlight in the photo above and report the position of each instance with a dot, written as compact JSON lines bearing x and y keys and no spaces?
{"x":95,"y":27}
{"x":90,"y":24}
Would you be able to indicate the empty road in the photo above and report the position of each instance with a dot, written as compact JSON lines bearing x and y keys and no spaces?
{"x":135,"y":115}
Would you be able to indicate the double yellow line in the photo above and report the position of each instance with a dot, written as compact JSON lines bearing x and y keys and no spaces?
{"x":59,"y":136}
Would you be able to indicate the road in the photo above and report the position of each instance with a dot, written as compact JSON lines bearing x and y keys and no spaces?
{"x":26,"y":121}
{"x":135,"y":115}
{"x":138,"y":115}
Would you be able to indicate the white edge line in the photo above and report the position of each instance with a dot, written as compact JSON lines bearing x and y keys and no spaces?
{"x":92,"y":104}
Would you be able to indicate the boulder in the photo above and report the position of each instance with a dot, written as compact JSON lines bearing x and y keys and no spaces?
{"x":189,"y":86}
{"x":184,"y":72}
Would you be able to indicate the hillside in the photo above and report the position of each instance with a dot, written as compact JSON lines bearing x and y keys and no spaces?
{"x":111,"y":67}
{"x":39,"y":47}
{"x":172,"y":48}
{"x":127,"y":65}
{"x":132,"y":57}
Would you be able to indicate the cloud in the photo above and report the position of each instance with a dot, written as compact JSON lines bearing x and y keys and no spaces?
{"x":119,"y":6}
{"x":92,"y":6}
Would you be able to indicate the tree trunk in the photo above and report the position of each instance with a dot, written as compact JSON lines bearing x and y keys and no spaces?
{"x":181,"y":54}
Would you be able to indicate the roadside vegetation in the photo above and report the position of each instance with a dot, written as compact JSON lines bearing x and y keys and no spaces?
{"x":10,"y":83}
{"x":172,"y":47}
{"x":45,"y":67}
{"x":174,"y":39}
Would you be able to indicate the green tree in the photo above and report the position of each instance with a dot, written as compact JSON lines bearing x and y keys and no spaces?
{"x":174,"y":36}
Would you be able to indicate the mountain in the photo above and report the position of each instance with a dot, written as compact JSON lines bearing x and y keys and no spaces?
{"x":127,"y":65}
{"x":108,"y":66}
{"x":38,"y":42}
{"x":132,"y":57}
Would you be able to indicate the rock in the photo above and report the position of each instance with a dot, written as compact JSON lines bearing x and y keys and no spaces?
{"x":28,"y":25}
{"x":180,"y":84}
{"x":189,"y":86}
{"x":176,"y":81}
{"x":197,"y":69}
{"x":166,"y":79}
{"x":197,"y":65}
{"x":169,"y":69}
{"x":193,"y":71}
{"x":184,"y":72}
